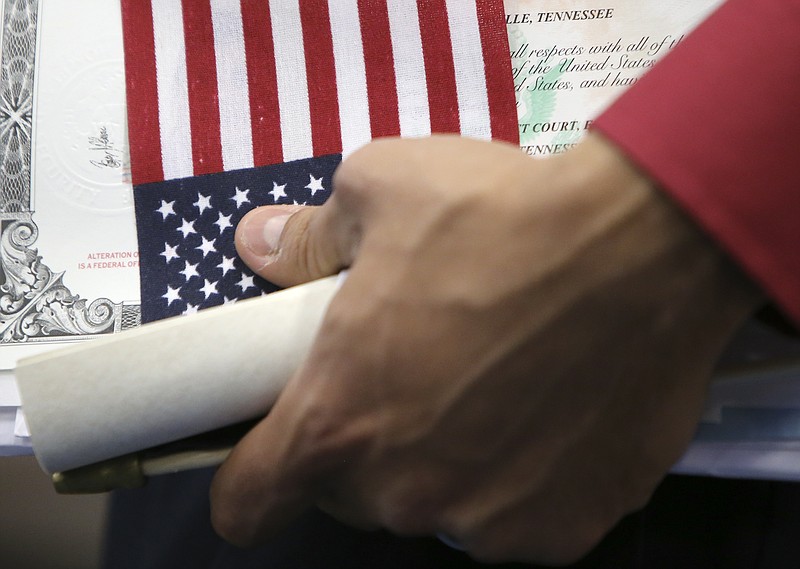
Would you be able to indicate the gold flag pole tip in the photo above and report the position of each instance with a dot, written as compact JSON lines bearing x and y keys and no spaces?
{"x":123,"y":472}
{"x":132,"y":470}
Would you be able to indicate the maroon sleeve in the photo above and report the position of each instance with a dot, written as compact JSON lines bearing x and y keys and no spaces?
{"x":717,"y":124}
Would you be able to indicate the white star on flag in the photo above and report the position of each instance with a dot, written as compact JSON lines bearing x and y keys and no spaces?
{"x":166,"y":208}
{"x":278,"y":192}
{"x":246,"y":282}
{"x":187,"y":228}
{"x":241,"y":197}
{"x":190,"y":270}
{"x":315,"y":185}
{"x":226,"y":265}
{"x":170,"y":252}
{"x":173,"y":294}
{"x":203,"y":203}
{"x":191,"y":309}
{"x":223,"y":222}
{"x":207,"y":247}
{"x":209,"y":288}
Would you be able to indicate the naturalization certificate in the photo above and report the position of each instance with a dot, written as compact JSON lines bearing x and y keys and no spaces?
{"x":68,"y":255}
{"x":68,"y":250}
{"x":572,"y":58}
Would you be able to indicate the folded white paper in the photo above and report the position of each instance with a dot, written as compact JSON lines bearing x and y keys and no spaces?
{"x":185,"y":376}
{"x":168,"y":380}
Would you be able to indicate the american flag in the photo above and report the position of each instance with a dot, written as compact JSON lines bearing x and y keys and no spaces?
{"x":230,"y":86}
{"x":187,"y":256}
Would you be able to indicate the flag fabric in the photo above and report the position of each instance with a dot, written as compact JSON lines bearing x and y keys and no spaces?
{"x":187,"y":257}
{"x":220,"y":85}
{"x":239,"y":103}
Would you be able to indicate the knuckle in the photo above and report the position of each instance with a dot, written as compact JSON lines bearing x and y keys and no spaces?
{"x":349,"y":176}
{"x":526,"y":540}
{"x":641,"y":488}
{"x":477,"y":538}
{"x":578,"y":545}
{"x":230,"y":528}
{"x":233,"y":525}
{"x":485,"y":551}
{"x":403,"y":520}
{"x":637,"y":500}
{"x":330,"y":440}
{"x":307,"y":255}
{"x":320,"y":428}
{"x":413,"y":500}
{"x":412,"y":514}
{"x":497,"y":547}
{"x":570,"y":545}
{"x":558,"y":551}
{"x":297,"y":250}
{"x":357,"y":176}
{"x":320,"y":238}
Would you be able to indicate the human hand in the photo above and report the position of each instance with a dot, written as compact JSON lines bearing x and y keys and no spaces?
{"x":520,"y":352}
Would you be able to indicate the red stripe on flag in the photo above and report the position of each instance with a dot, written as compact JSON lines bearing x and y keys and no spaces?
{"x":323,"y":95}
{"x":440,"y":71}
{"x":265,"y":115}
{"x":201,"y":74}
{"x":499,"y":78}
{"x":142,"y":92}
{"x":376,"y":37}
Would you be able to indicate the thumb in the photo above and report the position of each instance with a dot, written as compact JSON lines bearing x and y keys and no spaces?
{"x":288,"y":245}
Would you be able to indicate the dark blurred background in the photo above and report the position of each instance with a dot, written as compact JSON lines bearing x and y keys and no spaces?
{"x":40,"y":529}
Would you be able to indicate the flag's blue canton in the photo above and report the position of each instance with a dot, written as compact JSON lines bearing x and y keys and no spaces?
{"x":187,"y":256}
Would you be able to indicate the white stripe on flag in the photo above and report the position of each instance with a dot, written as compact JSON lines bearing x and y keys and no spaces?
{"x":351,"y":74}
{"x":173,"y":90}
{"x":234,"y":98}
{"x":473,"y":98}
{"x":409,"y":67}
{"x":290,"y":67}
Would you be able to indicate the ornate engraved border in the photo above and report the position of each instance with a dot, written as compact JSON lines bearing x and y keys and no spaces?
{"x":17,"y":58}
{"x":35,"y":306}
